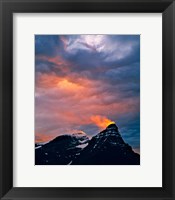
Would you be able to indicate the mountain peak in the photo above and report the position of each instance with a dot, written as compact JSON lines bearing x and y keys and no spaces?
{"x":112,"y":126}
{"x":105,"y":148}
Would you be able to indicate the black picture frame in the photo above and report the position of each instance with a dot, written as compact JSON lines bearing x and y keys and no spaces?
{"x":7,"y":8}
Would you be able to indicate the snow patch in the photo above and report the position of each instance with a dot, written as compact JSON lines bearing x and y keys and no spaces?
{"x":38,"y":147}
{"x":70,"y":162}
{"x":82,"y":145}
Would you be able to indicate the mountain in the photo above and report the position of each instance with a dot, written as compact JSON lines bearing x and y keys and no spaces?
{"x":106,"y":148}
{"x":61,"y":150}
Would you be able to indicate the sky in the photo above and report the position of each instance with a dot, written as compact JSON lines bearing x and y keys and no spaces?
{"x":84,"y":82}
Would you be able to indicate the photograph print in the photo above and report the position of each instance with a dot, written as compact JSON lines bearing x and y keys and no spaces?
{"x":87,"y":99}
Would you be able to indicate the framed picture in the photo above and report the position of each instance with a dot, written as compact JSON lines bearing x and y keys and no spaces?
{"x":87,"y":92}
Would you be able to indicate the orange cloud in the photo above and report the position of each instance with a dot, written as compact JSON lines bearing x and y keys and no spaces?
{"x":46,"y":81}
{"x":101,"y":121}
{"x":40,"y":138}
{"x":65,"y":84}
{"x":59,"y":62}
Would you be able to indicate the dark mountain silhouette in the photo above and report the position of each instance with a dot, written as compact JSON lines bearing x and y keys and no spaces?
{"x":106,"y":148}
{"x":61,"y":150}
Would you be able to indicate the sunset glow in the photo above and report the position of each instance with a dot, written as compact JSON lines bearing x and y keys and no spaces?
{"x":101,"y":121}
{"x":68,"y":85}
{"x":83,"y":83}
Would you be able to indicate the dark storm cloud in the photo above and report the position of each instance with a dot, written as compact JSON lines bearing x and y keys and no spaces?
{"x":47,"y":45}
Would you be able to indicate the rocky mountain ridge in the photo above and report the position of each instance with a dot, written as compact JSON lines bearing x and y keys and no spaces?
{"x":105,"y":148}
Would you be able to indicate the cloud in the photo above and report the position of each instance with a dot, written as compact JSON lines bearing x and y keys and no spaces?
{"x":41,"y":138}
{"x":83,"y":80}
{"x":47,"y":45}
{"x":101,"y":121}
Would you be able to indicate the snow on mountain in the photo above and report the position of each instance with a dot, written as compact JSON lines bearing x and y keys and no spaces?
{"x":61,"y":150}
{"x":105,"y":148}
